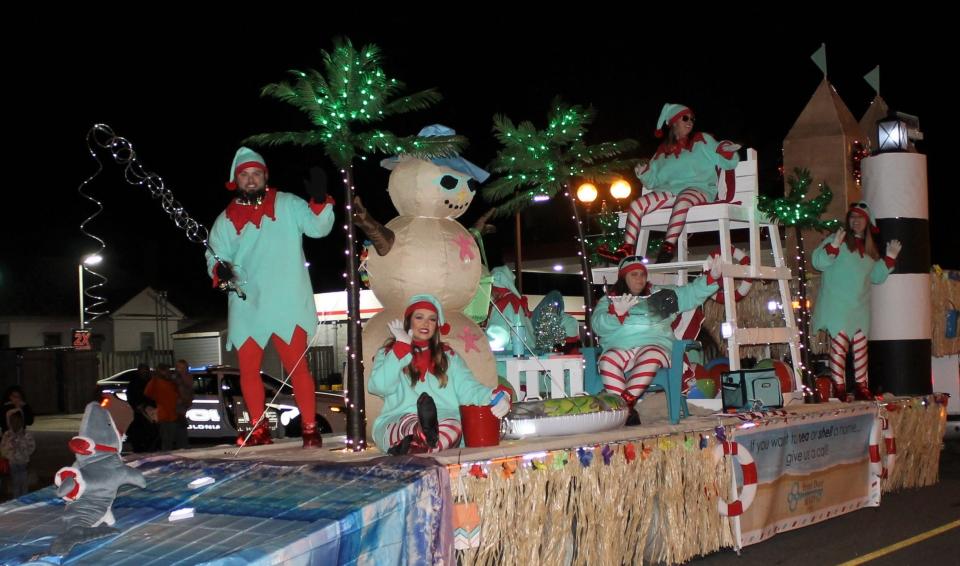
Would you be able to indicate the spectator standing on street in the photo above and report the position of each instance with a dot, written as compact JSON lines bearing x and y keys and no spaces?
{"x":16,"y":447}
{"x":163,"y":389}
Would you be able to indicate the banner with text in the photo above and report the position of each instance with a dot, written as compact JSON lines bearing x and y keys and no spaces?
{"x":809,"y":469}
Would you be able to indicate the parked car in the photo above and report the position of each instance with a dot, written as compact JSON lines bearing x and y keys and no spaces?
{"x":218,"y":409}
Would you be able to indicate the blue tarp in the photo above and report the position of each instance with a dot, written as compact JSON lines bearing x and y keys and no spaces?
{"x":385,"y":511}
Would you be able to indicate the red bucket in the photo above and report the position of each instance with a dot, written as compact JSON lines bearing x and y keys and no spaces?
{"x":824,"y":388}
{"x":480,"y":427}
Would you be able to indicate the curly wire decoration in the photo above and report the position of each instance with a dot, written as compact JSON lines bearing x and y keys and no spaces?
{"x":93,"y":309}
{"x":123,"y":153}
{"x":102,"y":136}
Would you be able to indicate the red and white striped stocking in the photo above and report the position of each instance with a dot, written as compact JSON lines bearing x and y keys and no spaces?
{"x":638,"y":208}
{"x":678,"y":216}
{"x":631,"y":371}
{"x":450,"y":432}
{"x":837,"y":361}
{"x":860,"y":357}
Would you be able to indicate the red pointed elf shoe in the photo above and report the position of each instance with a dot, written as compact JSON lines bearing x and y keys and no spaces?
{"x":862,"y":392}
{"x":840,"y":392}
{"x":260,"y":436}
{"x":311,"y":438}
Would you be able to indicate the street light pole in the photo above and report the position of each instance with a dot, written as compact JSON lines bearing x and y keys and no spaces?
{"x":80,"y":278}
{"x":92,"y":259}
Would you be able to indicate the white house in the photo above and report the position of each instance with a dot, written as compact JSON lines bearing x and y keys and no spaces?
{"x":145,"y":322}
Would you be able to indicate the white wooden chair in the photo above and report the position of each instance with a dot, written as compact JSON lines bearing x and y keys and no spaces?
{"x":734,"y":209}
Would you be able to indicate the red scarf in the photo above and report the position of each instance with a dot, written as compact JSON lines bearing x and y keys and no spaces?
{"x":422,"y":360}
{"x":860,"y":246}
{"x":240,"y":213}
{"x":676,"y":149}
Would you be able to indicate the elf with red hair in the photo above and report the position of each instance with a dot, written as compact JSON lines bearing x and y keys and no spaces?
{"x":850,"y":262}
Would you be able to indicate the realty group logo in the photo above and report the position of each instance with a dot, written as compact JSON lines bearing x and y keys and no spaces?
{"x":808,"y":492}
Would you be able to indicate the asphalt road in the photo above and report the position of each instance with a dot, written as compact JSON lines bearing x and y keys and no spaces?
{"x":901,"y":516}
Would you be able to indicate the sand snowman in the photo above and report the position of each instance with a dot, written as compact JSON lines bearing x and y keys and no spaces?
{"x":424,"y":250}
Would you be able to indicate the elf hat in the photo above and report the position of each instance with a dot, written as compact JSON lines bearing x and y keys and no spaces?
{"x":428,"y":302}
{"x":244,"y":158}
{"x":863,"y":209}
{"x":629,"y":264}
{"x":669,"y":115}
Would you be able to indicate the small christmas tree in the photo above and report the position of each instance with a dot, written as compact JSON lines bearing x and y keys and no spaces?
{"x":549,"y":330}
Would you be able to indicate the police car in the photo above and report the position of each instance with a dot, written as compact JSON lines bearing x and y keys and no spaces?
{"x":218,"y":409}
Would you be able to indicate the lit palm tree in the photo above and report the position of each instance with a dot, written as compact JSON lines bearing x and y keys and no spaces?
{"x":794,"y":210}
{"x":542,"y":163}
{"x":353,"y":90}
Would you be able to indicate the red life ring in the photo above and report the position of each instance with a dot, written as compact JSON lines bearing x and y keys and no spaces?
{"x":71,"y":473}
{"x":879,"y":467}
{"x":745,"y":284}
{"x":749,"y":469}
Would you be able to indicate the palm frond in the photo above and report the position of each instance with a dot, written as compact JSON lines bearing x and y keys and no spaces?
{"x":434,"y":146}
{"x":600,"y":152}
{"x":281,"y":91}
{"x":352,"y":89}
{"x":517,"y":203}
{"x":608,"y":171}
{"x":278,"y":138}
{"x":416,"y":101}
{"x":502,"y":187}
{"x":504,"y":130}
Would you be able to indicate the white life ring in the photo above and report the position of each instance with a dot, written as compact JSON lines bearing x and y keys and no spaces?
{"x":749,"y":469}
{"x":745,"y":284}
{"x":878,"y":466}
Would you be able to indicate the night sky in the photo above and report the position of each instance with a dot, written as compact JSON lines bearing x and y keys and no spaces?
{"x":185,"y":92}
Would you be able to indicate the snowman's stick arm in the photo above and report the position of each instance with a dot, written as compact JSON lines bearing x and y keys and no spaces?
{"x":381,"y":236}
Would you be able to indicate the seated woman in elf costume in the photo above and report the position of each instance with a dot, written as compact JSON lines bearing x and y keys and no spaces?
{"x":423,"y":382}
{"x":681,"y":174}
{"x":634,"y":324}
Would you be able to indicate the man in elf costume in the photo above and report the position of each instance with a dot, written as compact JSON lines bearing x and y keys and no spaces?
{"x":259,"y":240}
{"x":681,"y":174}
